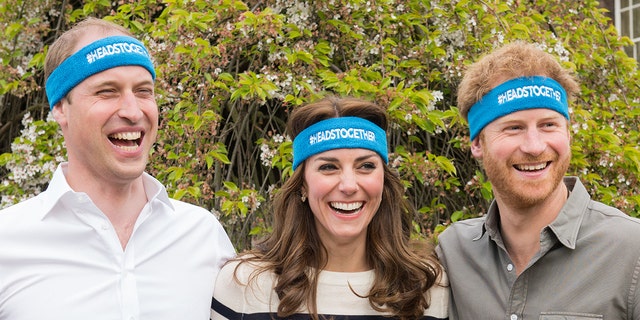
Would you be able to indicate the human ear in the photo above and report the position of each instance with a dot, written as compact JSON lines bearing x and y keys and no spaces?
{"x":59,"y":112}
{"x":476,"y":148}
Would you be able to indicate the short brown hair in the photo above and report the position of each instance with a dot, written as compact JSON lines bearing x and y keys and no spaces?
{"x":63,"y":47}
{"x":514,"y":60}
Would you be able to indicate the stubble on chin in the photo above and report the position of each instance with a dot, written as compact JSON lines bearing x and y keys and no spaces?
{"x":522,"y":193}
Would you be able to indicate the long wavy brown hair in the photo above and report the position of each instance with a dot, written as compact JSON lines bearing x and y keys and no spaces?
{"x":294,"y":252}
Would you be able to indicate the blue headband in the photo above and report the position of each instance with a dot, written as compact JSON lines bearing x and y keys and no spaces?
{"x":339,"y":133}
{"x":96,"y":57}
{"x":516,"y":95}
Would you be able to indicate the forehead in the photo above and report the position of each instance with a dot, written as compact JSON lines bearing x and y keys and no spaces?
{"x":92,"y":34}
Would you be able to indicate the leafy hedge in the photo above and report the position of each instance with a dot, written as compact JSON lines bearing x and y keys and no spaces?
{"x":229,"y":72}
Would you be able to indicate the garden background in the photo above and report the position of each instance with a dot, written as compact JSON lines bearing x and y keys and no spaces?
{"x":229,"y":72}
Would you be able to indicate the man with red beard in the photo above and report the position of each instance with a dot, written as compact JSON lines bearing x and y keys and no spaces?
{"x":545,"y":249}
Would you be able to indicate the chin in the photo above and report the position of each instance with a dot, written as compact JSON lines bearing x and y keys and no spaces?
{"x":131,"y":172}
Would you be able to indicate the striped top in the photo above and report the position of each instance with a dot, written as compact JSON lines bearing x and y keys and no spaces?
{"x":233,"y":300}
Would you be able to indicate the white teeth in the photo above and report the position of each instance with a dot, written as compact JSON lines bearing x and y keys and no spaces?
{"x":527,"y":167}
{"x":347,"y":206}
{"x":127,"y":135}
{"x":130,"y":149}
{"x":126,"y":141}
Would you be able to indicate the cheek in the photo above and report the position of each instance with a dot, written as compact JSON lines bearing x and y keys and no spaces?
{"x":563,"y":148}
{"x":319,"y":188}
{"x":317,"y":185}
{"x":79,"y":121}
{"x":374,"y":184}
{"x":502,"y":149}
{"x":560,"y":142}
{"x":151,"y":110}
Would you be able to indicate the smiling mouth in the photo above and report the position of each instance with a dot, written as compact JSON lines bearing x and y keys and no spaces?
{"x":128,"y":141}
{"x":532,"y":167}
{"x":346,"y":208}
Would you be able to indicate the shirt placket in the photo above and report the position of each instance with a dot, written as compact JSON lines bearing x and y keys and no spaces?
{"x":517,"y":297}
{"x":128,"y":285}
{"x":128,"y":281}
{"x":124,"y":260}
{"x":520,"y":286}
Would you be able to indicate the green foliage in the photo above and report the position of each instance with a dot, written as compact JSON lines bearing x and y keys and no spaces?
{"x":229,"y":72}
{"x":33,"y":158}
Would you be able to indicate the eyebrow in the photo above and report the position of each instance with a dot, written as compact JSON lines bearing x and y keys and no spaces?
{"x":543,"y":119}
{"x":117,"y":83}
{"x":358,"y":159}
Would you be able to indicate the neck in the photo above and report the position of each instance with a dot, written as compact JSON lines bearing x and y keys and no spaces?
{"x":121,"y":203}
{"x":346,"y":258}
{"x":521,"y":226}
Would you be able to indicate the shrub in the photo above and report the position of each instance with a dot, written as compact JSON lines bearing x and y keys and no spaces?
{"x":229,"y":72}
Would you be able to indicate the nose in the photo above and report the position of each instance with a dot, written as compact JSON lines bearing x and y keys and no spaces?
{"x":533,"y":143}
{"x":129,"y":107}
{"x":348,"y":182}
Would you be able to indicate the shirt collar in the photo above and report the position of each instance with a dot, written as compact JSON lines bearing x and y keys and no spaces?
{"x":565,"y":226}
{"x":491,"y":225}
{"x":567,"y":223}
{"x":58,"y":188}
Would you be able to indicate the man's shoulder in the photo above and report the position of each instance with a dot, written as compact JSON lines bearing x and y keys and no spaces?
{"x":612,"y":221}
{"x":188,"y":209}
{"x":22,"y":210}
{"x":195,"y":216}
{"x":466,"y":225}
{"x":182,"y":206}
{"x":609,"y":211}
{"x":597,"y":213}
{"x":468,"y":229}
{"x":15,"y":219}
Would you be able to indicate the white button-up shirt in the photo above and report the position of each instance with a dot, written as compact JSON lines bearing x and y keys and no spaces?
{"x":60,"y":258}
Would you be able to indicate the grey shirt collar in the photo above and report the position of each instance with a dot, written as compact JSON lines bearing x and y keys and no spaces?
{"x":566,"y":225}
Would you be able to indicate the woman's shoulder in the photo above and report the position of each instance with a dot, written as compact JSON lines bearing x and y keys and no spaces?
{"x":442,"y":279}
{"x":243,"y":267}
{"x":246,"y":270}
{"x":243,"y":274}
{"x":245,"y":286}
{"x":439,"y":297}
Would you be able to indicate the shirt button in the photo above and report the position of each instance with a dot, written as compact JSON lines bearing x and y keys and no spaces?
{"x":514,"y":317}
{"x":104,"y":227}
{"x":510,"y":268}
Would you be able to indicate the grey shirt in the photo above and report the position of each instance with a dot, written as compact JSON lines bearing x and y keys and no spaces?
{"x":588,"y":266}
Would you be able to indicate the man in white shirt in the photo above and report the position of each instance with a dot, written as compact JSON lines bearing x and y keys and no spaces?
{"x":105,"y":241}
